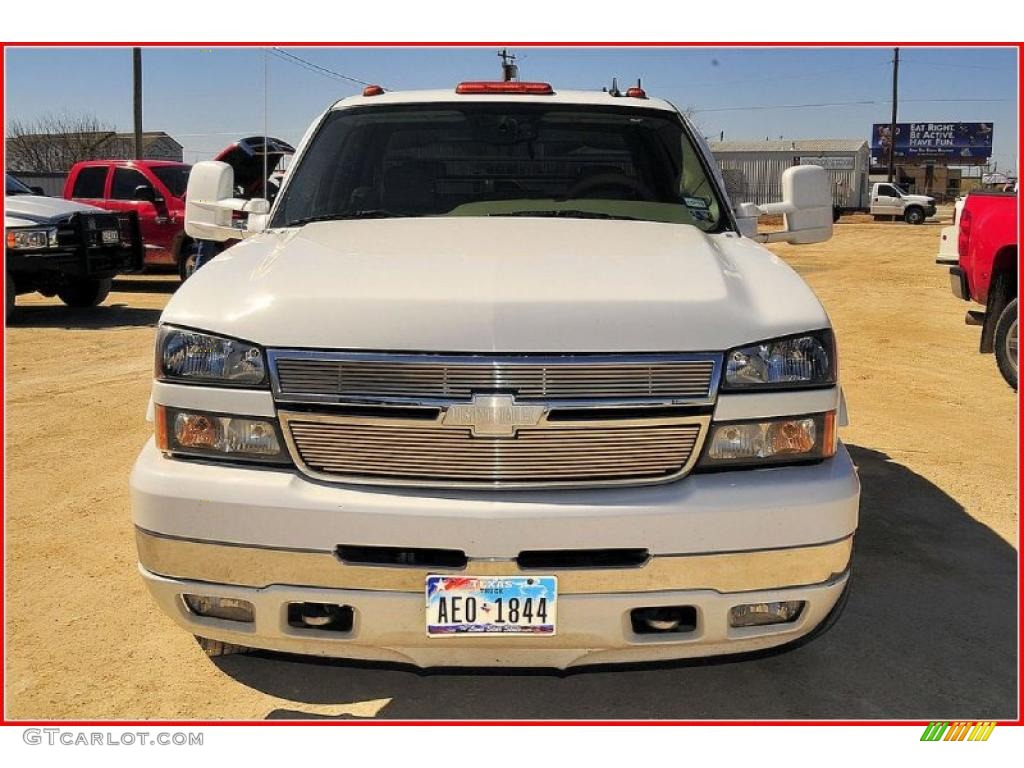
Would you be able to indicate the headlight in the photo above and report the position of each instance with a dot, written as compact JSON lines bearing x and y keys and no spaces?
{"x":32,"y":239}
{"x":195,"y":433}
{"x":203,"y":358}
{"x":805,"y":360}
{"x":771,"y":441}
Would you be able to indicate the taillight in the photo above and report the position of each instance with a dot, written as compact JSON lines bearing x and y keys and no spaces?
{"x":487,"y":87}
{"x":965,"y":232}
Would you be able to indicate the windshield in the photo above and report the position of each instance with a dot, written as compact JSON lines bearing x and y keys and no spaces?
{"x":14,"y":187}
{"x":501,"y":159}
{"x":174,"y":177}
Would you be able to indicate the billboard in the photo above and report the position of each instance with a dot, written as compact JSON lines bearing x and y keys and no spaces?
{"x":954,"y":143}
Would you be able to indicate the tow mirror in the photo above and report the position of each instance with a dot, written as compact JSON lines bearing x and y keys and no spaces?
{"x":210,"y":205}
{"x":806,"y":209}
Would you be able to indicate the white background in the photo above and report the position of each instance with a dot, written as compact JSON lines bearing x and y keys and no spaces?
{"x":510,"y":22}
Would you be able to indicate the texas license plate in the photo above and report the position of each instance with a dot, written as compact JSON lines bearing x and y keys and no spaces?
{"x":491,"y":605}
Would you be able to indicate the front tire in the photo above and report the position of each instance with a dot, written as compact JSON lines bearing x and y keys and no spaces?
{"x":187,"y":264}
{"x":188,"y":253}
{"x":85,"y":292}
{"x":1006,"y":343}
{"x":914,"y":216}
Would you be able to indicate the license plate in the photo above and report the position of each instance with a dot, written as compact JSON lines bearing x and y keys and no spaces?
{"x":491,"y":605}
{"x":110,"y":236}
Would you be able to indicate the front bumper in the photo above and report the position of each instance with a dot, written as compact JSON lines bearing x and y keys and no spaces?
{"x":269,"y":536}
{"x":81,"y":253}
{"x":592,"y":628}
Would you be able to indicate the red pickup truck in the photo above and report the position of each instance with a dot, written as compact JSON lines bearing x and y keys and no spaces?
{"x":155,"y":189}
{"x":987,"y":273}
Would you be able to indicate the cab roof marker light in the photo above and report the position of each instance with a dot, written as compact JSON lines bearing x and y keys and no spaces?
{"x":472,"y":87}
{"x":637,"y":91}
{"x":373,"y":90}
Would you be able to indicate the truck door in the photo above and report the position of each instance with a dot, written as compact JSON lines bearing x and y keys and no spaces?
{"x":90,"y":186}
{"x":886,"y":201}
{"x":131,"y":190}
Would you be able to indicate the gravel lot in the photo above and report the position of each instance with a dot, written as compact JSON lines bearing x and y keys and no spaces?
{"x":929,"y":633}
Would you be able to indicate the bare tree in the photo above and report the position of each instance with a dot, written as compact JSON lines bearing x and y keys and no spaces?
{"x":55,"y":142}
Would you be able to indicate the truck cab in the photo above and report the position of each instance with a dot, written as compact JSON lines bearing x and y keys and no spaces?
{"x":502,"y":378}
{"x":153,"y":189}
{"x":891,"y":200}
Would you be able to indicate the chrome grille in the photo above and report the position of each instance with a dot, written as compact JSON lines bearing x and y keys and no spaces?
{"x":425,"y":452}
{"x":347,"y":377}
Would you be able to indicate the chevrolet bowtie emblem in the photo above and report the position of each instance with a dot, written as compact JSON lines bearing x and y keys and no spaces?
{"x":493,"y":415}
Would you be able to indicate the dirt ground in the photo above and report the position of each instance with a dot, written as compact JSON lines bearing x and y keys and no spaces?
{"x":929,"y":633}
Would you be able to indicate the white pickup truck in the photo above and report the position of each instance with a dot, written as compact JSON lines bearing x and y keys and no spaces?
{"x":891,"y":201}
{"x":501,"y":378}
{"x":61,"y":248}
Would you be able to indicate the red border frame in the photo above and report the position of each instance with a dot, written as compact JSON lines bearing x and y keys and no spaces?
{"x":519,"y":44}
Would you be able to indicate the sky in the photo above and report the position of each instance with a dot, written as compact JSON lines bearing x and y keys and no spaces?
{"x":208,"y":97}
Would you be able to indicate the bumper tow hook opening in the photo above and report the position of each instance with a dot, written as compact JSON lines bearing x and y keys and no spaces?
{"x":323,"y":616}
{"x":663,"y":619}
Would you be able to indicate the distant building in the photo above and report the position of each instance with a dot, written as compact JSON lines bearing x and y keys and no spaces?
{"x":753,"y":169}
{"x":57,"y":152}
{"x":156,"y":145}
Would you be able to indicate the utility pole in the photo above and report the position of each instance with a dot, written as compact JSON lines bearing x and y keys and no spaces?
{"x":137,"y":99}
{"x":509,"y":69}
{"x":892,"y":123}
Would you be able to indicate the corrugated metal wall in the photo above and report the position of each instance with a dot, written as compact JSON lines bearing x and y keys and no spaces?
{"x":51,"y":183}
{"x":755,"y":177}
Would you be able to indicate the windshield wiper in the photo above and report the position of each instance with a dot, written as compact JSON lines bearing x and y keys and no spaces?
{"x":568,"y":213}
{"x":374,"y":213}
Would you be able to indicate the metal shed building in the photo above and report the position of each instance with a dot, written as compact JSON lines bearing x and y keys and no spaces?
{"x":753,"y":169}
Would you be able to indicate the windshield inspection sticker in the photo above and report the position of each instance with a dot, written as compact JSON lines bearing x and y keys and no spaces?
{"x":696,"y":202}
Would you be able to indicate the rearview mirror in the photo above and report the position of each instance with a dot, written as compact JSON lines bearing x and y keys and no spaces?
{"x":806,"y":209}
{"x":210,"y":205}
{"x":144,"y":192}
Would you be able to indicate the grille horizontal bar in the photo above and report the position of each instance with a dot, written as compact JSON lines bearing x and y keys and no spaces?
{"x":426,"y":377}
{"x":343,"y":448}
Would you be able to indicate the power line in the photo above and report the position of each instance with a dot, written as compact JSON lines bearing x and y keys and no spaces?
{"x":298,"y":60}
{"x":864,"y":102}
{"x":933,"y":63}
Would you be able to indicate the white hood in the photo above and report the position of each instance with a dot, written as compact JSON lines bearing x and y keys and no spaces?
{"x":27,"y":210}
{"x":924,"y":199}
{"x":460,"y":284}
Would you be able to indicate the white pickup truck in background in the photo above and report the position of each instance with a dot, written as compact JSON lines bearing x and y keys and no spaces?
{"x":891,"y":201}
{"x":501,"y":378}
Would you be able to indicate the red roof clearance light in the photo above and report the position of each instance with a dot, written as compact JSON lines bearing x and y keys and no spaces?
{"x":373,"y":90}
{"x":496,"y":86}
{"x":636,"y":92}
